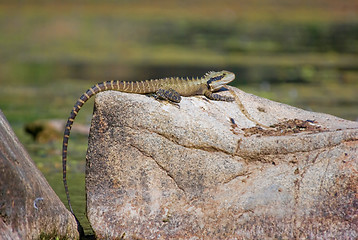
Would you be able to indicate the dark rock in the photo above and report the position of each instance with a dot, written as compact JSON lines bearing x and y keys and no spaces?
{"x":29,"y":208}
{"x":44,"y":131}
{"x":217,"y":170}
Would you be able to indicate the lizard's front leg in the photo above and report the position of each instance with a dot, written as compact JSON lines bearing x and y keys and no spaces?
{"x":217,"y":97}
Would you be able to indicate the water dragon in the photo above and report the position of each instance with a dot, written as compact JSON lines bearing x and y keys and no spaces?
{"x":170,"y":89}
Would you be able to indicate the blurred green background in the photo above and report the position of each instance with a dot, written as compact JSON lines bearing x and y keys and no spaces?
{"x":303,"y":53}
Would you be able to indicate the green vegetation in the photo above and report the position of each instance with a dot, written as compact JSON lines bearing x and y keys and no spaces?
{"x":53,"y":236}
{"x":304,"y":53}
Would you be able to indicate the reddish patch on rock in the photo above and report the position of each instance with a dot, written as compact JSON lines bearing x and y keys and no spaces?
{"x":288,"y":127}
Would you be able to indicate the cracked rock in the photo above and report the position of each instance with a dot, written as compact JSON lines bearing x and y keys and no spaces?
{"x":252,"y":168}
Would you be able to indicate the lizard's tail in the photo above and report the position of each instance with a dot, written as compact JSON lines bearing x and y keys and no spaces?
{"x":100,"y":87}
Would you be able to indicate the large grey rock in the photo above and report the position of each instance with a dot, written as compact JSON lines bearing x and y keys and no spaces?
{"x":216,"y":170}
{"x":29,"y":208}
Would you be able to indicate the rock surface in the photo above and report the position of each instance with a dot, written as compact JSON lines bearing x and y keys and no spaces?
{"x":217,"y":170}
{"x":29,"y":208}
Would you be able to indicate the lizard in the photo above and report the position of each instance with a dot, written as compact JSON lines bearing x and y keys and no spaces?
{"x":170,"y":89}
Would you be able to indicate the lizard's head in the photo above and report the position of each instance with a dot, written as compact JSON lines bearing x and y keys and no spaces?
{"x":217,"y":80}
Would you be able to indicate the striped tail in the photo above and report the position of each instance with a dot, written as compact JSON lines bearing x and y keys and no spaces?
{"x":100,"y":87}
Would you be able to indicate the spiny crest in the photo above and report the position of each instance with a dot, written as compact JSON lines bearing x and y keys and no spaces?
{"x":189,"y":78}
{"x":214,"y":76}
{"x":180,"y":78}
{"x":176,"y":78}
{"x":210,"y":73}
{"x":183,"y":78}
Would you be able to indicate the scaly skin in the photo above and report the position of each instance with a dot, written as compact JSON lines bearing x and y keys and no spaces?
{"x":170,"y":89}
